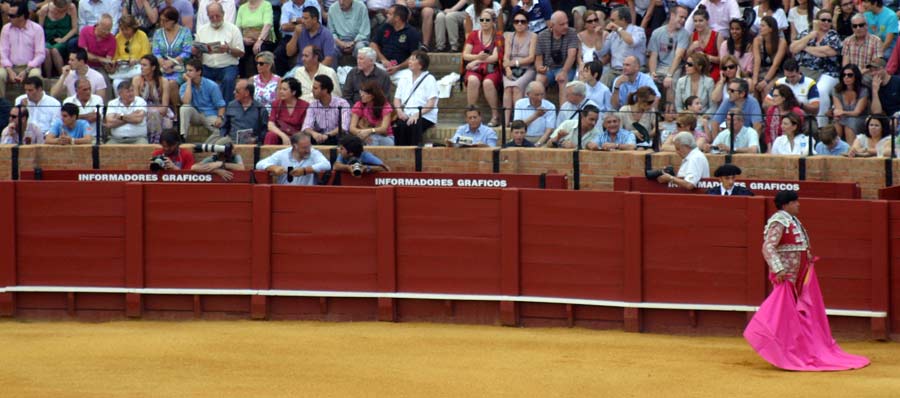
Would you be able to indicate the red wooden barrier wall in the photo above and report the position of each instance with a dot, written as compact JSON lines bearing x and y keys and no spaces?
{"x":623,"y":246}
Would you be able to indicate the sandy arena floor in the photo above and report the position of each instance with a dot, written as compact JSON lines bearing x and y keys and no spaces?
{"x":313,"y":359}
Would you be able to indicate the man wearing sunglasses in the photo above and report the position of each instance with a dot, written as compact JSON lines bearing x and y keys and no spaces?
{"x":861,"y":48}
{"x":885,"y":89}
{"x":22,"y":49}
{"x":738,"y":97}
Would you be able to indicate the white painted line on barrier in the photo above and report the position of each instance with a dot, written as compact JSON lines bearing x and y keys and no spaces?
{"x":416,"y":296}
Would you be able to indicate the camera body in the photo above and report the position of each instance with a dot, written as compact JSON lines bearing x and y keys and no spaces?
{"x":356,"y":166}
{"x":158,"y":162}
{"x":654,"y":174}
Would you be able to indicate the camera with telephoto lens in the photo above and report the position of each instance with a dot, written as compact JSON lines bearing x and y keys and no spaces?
{"x":158,"y":162}
{"x":356,"y":166}
{"x":226,"y":149}
{"x":654,"y":174}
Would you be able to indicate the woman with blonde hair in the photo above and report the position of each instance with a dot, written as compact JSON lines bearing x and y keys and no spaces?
{"x":695,"y":82}
{"x":731,"y":69}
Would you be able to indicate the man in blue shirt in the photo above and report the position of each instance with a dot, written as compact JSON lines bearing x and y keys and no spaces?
{"x":202,"y":102}
{"x":630,"y":81}
{"x":350,"y":150}
{"x":473,"y":133}
{"x":69,"y":129}
{"x":738,"y":97}
{"x":830,"y":144}
{"x":882,"y":22}
{"x":291,"y":13}
{"x":311,"y":32}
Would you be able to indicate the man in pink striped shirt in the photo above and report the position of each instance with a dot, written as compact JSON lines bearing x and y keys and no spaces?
{"x":22,"y":49}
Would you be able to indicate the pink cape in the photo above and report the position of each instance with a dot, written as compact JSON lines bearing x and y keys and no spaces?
{"x":793,"y":333}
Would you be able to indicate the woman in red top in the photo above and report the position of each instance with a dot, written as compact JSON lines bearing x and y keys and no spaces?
{"x":706,"y":40}
{"x":288,"y":112}
{"x":483,"y":53}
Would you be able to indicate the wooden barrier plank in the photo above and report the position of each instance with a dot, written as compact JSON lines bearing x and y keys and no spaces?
{"x":633,"y":286}
{"x":756,"y":268}
{"x":509,"y":255}
{"x":8,"y":246}
{"x":880,"y":280}
{"x":134,"y":247}
{"x":217,"y":255}
{"x":261,"y":249}
{"x":324,"y":238}
{"x":70,"y":234}
{"x":386,"y":250}
{"x":448,"y":240}
{"x":689,"y":256}
{"x":571,"y":244}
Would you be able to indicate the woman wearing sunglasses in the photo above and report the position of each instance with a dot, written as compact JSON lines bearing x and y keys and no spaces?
{"x":851,"y":99}
{"x":695,"y":82}
{"x":591,"y":38}
{"x":731,"y":69}
{"x":518,"y":61}
{"x":817,"y":54}
{"x":482,"y":54}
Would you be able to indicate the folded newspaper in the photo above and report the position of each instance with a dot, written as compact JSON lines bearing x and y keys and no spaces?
{"x":209,"y":47}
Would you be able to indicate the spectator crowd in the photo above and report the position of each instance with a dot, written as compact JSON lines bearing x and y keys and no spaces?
{"x":803,"y":77}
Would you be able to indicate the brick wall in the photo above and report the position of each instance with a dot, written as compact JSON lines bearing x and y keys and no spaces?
{"x":597,"y":168}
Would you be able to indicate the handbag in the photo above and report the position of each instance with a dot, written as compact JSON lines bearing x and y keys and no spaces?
{"x":397,"y":123}
{"x":517,"y":71}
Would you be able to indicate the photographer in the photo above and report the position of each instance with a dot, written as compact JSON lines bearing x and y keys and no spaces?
{"x":354,"y":160}
{"x":221,"y":163}
{"x":172,"y":155}
{"x":296,"y":165}
{"x":694,"y":165}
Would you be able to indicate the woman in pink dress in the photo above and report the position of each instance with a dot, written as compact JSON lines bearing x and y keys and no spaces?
{"x":790,"y":330}
{"x":783,"y":102}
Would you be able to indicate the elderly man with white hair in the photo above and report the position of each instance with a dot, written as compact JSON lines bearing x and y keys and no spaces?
{"x":576,"y":99}
{"x":694,"y":165}
{"x":220,"y":63}
{"x":364,"y":71}
{"x":537,"y":113}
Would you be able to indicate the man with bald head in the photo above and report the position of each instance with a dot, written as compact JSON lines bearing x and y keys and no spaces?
{"x":538,"y":114}
{"x":100,"y":44}
{"x":630,"y":81}
{"x":624,"y":39}
{"x":557,"y":48}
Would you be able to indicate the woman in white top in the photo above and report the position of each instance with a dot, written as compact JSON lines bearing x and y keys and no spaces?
{"x":695,"y":82}
{"x":773,"y":8}
{"x":419,"y":90}
{"x":873,"y":142}
{"x":591,"y":38}
{"x":792,"y":141}
{"x":801,"y":16}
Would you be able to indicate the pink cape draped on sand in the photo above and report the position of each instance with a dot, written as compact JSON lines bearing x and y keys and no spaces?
{"x":793,"y":333}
